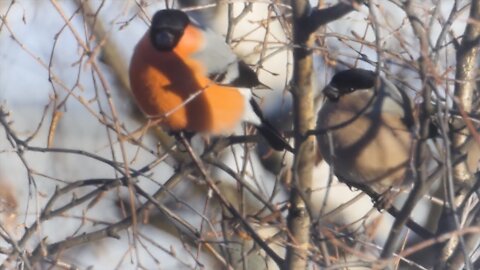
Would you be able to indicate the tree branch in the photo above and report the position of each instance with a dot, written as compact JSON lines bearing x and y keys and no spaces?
{"x":422,"y":181}
{"x":465,"y":82}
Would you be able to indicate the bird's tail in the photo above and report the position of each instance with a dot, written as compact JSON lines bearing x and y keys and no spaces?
{"x":269,"y":132}
{"x":273,"y":137}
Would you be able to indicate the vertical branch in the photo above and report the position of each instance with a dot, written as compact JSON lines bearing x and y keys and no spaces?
{"x":455,"y":255}
{"x":305,"y":23}
{"x":304,"y":116}
{"x":422,"y":180}
{"x":465,"y":80}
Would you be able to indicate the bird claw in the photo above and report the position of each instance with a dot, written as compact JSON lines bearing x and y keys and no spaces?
{"x":384,"y":200}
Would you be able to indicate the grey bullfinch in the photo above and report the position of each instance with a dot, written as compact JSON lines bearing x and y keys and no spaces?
{"x":368,"y":124}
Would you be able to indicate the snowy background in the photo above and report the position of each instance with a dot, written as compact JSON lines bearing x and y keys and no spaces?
{"x":49,"y":85}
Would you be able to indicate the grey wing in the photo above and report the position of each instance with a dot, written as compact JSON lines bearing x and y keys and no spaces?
{"x":222,"y":64}
{"x":216,"y":54}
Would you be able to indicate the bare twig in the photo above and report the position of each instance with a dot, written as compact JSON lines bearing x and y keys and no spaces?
{"x":465,"y":82}
{"x":211,"y":184}
{"x":421,"y":151}
{"x":305,"y":22}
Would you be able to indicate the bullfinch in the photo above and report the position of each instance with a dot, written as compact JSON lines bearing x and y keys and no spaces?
{"x":187,"y":76}
{"x":368,"y":138}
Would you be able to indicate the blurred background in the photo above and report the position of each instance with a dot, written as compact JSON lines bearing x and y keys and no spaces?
{"x":71,"y":131}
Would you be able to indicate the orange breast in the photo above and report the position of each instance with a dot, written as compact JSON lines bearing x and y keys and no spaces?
{"x":173,"y":87}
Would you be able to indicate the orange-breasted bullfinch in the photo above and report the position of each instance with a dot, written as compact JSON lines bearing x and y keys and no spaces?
{"x":369,"y":137}
{"x":187,"y":76}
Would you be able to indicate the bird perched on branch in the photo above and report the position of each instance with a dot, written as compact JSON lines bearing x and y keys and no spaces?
{"x":365,"y":131}
{"x":368,"y":138}
{"x":187,"y":76}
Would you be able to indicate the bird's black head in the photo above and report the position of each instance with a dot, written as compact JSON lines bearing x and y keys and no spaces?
{"x":347,"y":81}
{"x":167,"y":28}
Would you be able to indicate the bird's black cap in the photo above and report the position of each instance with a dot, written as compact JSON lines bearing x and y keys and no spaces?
{"x":350,"y":80}
{"x":167,"y":28}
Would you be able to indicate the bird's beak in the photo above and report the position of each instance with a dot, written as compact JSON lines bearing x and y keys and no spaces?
{"x":164,"y":38}
{"x":331,"y":92}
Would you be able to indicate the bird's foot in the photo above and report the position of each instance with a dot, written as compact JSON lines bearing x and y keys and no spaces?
{"x":384,"y":200}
